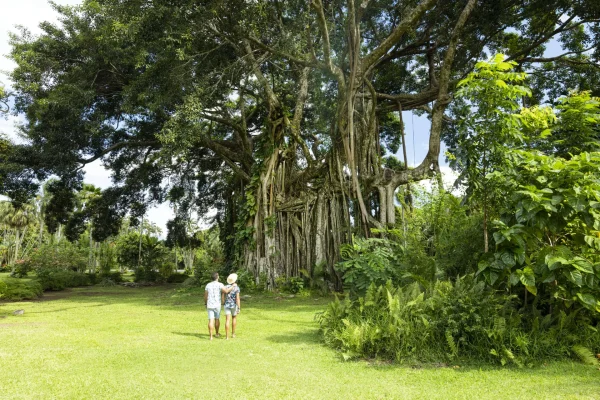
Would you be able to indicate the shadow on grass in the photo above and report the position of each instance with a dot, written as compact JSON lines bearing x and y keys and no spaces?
{"x":191,"y":334}
{"x":306,"y":337}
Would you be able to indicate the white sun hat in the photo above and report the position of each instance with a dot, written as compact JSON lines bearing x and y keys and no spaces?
{"x":232,"y":278}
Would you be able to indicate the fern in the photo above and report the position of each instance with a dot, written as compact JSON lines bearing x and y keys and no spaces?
{"x":451,"y":344}
{"x":585,"y":355}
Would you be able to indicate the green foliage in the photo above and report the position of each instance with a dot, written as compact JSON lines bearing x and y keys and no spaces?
{"x":578,"y":126}
{"x":290,"y":285}
{"x":441,"y":237}
{"x":464,"y":320}
{"x":147,"y":275}
{"x":548,"y":240}
{"x":493,"y":123}
{"x":114,"y":276}
{"x":147,"y":256}
{"x":56,"y":279}
{"x":62,"y":257}
{"x":585,"y":355}
{"x":369,"y":261}
{"x":177,"y":278}
{"x":19,"y":289}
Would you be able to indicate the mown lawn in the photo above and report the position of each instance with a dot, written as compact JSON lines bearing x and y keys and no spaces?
{"x":151,"y":343}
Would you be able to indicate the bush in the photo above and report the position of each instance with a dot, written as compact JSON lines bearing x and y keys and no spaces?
{"x":246,"y":280}
{"x":107,"y":282}
{"x":93,"y":278}
{"x":368,"y":261}
{"x":56,"y":257}
{"x":177,"y":278}
{"x":60,"y":280}
{"x":115,"y":276}
{"x":463,"y":321}
{"x":147,"y":275}
{"x":190,"y":282}
{"x":19,"y":289}
{"x":291,"y":285}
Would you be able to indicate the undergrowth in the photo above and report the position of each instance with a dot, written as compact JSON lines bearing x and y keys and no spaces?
{"x":461,"y":321}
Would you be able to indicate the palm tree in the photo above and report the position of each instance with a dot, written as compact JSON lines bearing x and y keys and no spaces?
{"x":87,"y":194}
{"x":17,"y":219}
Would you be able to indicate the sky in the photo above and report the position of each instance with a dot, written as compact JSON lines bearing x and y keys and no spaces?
{"x":30,"y":13}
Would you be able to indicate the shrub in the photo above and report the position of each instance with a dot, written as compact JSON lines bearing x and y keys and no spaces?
{"x":60,"y":280}
{"x":114,"y":276}
{"x":93,"y":278}
{"x":369,"y":261}
{"x":190,"y":282}
{"x":107,"y":282}
{"x":463,"y":320}
{"x":177,"y":278}
{"x":147,"y":275}
{"x":246,"y":280}
{"x":56,"y":257}
{"x":19,"y":289}
{"x":291,"y":285}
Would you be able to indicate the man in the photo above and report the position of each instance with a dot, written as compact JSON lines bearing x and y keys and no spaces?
{"x":212,"y":301}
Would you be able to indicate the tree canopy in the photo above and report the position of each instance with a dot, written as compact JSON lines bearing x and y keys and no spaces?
{"x":278,"y":114}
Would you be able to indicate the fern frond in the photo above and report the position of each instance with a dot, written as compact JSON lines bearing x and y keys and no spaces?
{"x":451,"y":344}
{"x":585,"y":355}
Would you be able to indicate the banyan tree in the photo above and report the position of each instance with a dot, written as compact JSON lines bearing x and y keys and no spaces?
{"x":280,"y":115}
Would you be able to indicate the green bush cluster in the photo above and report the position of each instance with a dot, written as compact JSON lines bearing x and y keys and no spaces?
{"x":61,"y":279}
{"x":113,"y":276}
{"x":291,"y":285}
{"x":19,"y":289}
{"x":246,"y":281}
{"x":53,"y":258}
{"x":463,"y":321}
{"x":177,"y":278}
{"x":147,"y":275}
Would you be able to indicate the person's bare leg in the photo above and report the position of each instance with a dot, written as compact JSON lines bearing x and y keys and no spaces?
{"x":233,"y":324}
{"x":211,"y":324}
{"x":217,"y":324}
{"x":227,"y":324}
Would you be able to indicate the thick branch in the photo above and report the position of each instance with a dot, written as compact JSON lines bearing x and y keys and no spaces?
{"x":562,"y":28}
{"x":298,"y":112}
{"x":271,"y":98}
{"x":429,"y":164}
{"x":115,"y":147}
{"x":407,"y":23}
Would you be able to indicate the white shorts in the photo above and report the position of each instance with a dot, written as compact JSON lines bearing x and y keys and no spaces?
{"x":214,"y":313}
{"x":232,"y":311}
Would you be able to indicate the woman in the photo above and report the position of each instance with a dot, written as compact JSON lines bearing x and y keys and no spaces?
{"x":232,"y":305}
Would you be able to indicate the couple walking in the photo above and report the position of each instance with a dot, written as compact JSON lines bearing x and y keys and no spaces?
{"x":217,"y":294}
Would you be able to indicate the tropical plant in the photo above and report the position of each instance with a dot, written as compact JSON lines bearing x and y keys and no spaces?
{"x":548,"y":239}
{"x":369,"y":261}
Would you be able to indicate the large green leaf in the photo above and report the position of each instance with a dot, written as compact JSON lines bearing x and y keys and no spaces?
{"x":526,"y":276}
{"x":583,"y":265}
{"x":556,"y":262}
{"x":575,"y":277}
{"x":587,"y":299}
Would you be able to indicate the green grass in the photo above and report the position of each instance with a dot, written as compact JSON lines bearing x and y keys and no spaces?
{"x":128,"y":343}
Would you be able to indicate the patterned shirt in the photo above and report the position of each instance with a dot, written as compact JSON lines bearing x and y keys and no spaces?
{"x":214,"y":294}
{"x":230,"y":297}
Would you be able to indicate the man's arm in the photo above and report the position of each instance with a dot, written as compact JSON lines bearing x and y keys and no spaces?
{"x":222,"y":298}
{"x":225,"y":290}
{"x":205,"y":296}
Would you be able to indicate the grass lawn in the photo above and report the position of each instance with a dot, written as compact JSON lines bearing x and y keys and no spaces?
{"x":152,"y":343}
